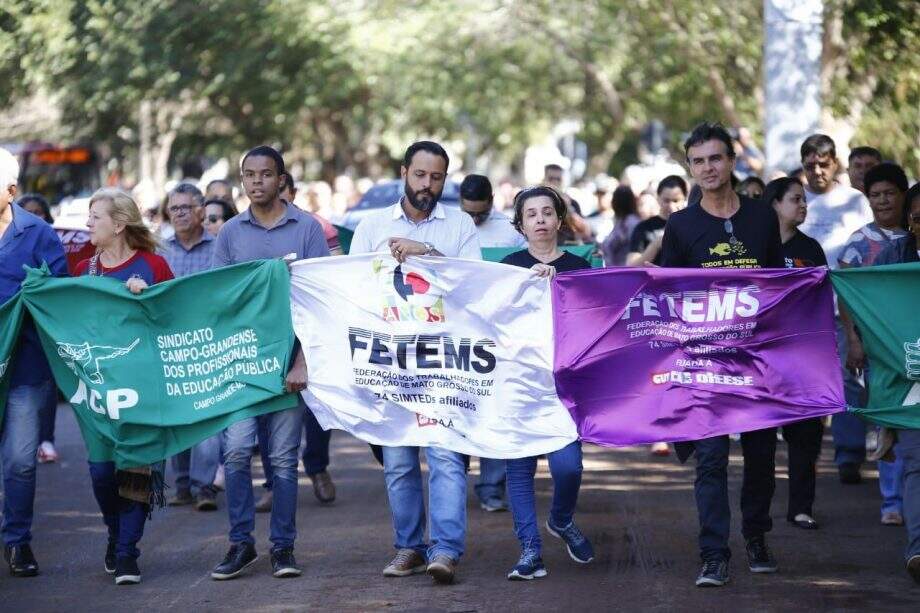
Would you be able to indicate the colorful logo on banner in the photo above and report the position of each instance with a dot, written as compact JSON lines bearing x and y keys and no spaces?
{"x":408,"y":296}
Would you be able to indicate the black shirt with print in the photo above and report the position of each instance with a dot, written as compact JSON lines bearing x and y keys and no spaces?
{"x":802,"y":251}
{"x":695,"y":239}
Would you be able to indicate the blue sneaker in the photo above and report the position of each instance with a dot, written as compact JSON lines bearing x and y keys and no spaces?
{"x":529,"y":567}
{"x":579,"y":547}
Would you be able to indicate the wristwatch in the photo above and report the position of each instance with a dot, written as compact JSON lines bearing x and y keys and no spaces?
{"x":428,"y":248}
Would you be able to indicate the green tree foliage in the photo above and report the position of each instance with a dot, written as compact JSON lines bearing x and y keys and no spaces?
{"x":344,"y":85}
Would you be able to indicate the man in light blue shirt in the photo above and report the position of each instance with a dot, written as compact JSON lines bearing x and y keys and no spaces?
{"x":419,"y":225}
{"x":188,"y":251}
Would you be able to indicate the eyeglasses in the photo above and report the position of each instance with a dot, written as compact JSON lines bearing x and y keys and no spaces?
{"x":730,"y":230}
{"x":214,"y":218}
{"x":181,"y":209}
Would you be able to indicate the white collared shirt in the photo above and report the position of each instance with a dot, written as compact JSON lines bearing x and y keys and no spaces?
{"x":448,"y":229}
{"x":497,"y":231}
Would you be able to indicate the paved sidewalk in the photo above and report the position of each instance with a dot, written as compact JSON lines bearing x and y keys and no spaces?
{"x":638,"y":511}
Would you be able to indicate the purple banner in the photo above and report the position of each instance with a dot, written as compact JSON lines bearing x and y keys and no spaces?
{"x":656,"y":354}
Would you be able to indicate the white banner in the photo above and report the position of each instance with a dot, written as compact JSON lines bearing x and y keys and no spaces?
{"x":434,"y":352}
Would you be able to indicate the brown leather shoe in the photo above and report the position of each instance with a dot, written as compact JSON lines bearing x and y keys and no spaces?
{"x":407,"y":562}
{"x":323,"y":487}
{"x":442,"y":569}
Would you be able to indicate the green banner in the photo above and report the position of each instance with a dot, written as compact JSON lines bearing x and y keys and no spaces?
{"x":10,"y":323}
{"x":150,"y":375}
{"x":496,"y":254}
{"x":345,"y":237}
{"x":884,"y":302}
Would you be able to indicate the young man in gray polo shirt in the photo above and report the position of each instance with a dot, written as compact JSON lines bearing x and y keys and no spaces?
{"x":270,"y":228}
{"x":419,"y":225}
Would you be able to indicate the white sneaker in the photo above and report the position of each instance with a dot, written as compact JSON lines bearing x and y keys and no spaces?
{"x":47,"y":453}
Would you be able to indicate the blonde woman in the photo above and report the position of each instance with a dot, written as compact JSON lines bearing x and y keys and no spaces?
{"x":124,"y":251}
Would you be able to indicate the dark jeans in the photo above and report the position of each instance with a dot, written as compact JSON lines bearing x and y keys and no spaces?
{"x":804,"y":442}
{"x":711,"y":489}
{"x":124,"y":518}
{"x":315,"y":452}
{"x":47,"y":413}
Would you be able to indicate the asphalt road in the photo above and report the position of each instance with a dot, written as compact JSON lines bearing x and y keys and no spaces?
{"x":638,"y":511}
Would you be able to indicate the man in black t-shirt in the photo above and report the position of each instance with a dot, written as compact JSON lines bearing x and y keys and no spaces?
{"x":726,"y":231}
{"x":645,"y":242}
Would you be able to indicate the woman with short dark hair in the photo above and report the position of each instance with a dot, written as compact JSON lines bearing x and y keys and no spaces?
{"x":538,"y":214}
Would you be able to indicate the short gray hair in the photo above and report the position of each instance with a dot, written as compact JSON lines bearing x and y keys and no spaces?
{"x":9,"y":169}
{"x":187,"y":188}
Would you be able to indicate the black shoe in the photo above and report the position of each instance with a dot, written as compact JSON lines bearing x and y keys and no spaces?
{"x":240,"y":556}
{"x":126,"y":571}
{"x":713,"y":574}
{"x":21,"y":560}
{"x":760,"y":560}
{"x":283,"y":563}
{"x":913,"y":567}
{"x":110,"y":560}
{"x":849,"y":473}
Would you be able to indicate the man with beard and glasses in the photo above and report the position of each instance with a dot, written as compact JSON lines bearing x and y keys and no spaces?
{"x":419,"y":225}
{"x":726,"y":230}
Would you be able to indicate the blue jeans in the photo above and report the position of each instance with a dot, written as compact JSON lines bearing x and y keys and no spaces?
{"x":196,"y":468}
{"x":282,"y":445}
{"x":491,"y":479}
{"x":711,"y":489}
{"x":18,"y":445}
{"x":124,"y":518}
{"x":315,"y":452}
{"x":446,"y":498}
{"x":890,"y":484}
{"x":565,"y":467}
{"x":849,"y":430}
{"x":908,"y":449}
{"x":47,"y":414}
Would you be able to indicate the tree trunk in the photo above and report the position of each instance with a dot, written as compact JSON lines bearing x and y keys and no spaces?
{"x":145,"y":134}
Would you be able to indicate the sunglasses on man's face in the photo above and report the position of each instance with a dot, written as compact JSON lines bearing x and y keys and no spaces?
{"x":214,"y":218}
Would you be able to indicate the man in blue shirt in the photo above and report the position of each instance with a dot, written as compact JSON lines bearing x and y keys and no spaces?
{"x":270,"y":228}
{"x":24,"y":240}
{"x":191,"y":250}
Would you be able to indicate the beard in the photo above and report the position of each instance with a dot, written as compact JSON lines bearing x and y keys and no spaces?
{"x":422,"y":200}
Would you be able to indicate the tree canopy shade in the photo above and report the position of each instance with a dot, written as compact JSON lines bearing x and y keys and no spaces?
{"x":344,"y":85}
